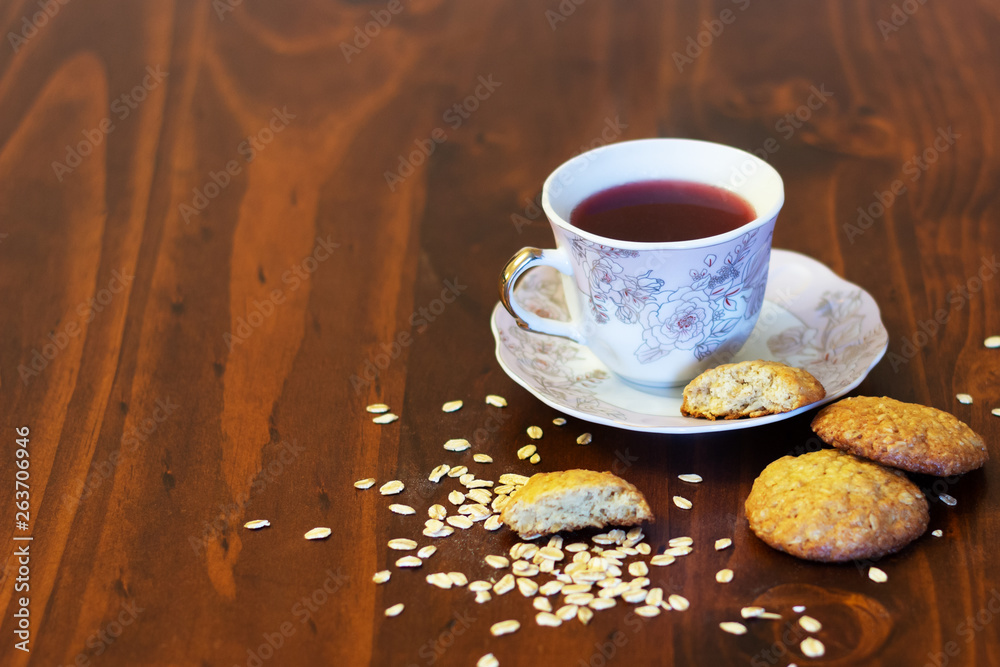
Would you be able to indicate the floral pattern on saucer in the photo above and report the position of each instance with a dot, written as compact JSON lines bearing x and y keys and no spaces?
{"x":809,"y":318}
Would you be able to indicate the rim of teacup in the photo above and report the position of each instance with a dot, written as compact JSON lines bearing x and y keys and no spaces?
{"x":773,"y":199}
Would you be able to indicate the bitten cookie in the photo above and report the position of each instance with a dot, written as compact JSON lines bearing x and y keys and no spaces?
{"x":832,"y":506}
{"x":902,"y":435}
{"x":749,"y":389}
{"x":553,"y":501}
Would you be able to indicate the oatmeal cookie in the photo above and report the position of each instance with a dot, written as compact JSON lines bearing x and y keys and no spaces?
{"x":571,"y":499}
{"x":832,"y":506}
{"x":902,"y":435}
{"x":749,"y":389}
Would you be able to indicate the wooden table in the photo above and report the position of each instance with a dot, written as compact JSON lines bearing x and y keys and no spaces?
{"x":222,"y":236}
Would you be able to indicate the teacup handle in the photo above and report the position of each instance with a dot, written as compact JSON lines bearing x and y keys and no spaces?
{"x":529,"y":258}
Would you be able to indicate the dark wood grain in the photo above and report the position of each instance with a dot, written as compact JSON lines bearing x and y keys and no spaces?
{"x":154,"y":435}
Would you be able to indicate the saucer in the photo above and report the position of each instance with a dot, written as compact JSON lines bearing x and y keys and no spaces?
{"x":811,"y":318}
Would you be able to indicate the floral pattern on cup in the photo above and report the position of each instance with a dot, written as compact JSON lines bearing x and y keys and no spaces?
{"x":696,"y":317}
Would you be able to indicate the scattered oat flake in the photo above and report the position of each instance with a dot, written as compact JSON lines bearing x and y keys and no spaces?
{"x":409,"y":561}
{"x":541,"y":604}
{"x":678,"y":602}
{"x":391,"y":488}
{"x":394,"y":610}
{"x":402,"y":544}
{"x":457,"y":445}
{"x":387,"y":418}
{"x":810,"y":624}
{"x":437,"y":512}
{"x":723,"y":543}
{"x":535,"y":459}
{"x":684,"y":541}
{"x":682,"y":502}
{"x":661,"y":560}
{"x":439,"y":472}
{"x":964,"y":399}
{"x":488,"y":660}
{"x":585,"y":439}
{"x":497,"y":562}
{"x":690,"y":478}
{"x":770,"y":615}
{"x":257,"y":524}
{"x":504,"y":628}
{"x":559,"y":421}
{"x":526,"y":452}
{"x":812,"y":647}
{"x":947,"y":500}
{"x":439,"y":579}
{"x":733,"y":628}
{"x":482,"y":458}
{"x":493,"y":523}
{"x":648,"y":611}
{"x":877,"y":575}
{"x":992,"y":341}
{"x":365,"y":483}
{"x":751,"y":612}
{"x":426,"y":552}
{"x":401,"y":509}
{"x":584,"y":614}
{"x":458,"y":471}
{"x":534,"y":432}
{"x":937,"y":533}
{"x":459,"y":521}
{"x":318,"y":534}
{"x":799,"y":608}
{"x":995,"y":412}
{"x":452,"y":406}
{"x":483,"y":596}
{"x":377,"y":408}
{"x":724,"y":576}
{"x":381,"y":576}
{"x":496,"y":401}
{"x":458,"y":578}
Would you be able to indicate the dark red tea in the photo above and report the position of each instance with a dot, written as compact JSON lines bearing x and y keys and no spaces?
{"x":661,"y":211}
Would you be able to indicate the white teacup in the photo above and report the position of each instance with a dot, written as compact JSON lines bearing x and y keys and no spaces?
{"x":656,"y":314}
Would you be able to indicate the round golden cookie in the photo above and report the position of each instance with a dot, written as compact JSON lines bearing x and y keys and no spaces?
{"x":902,"y":435}
{"x":832,"y":506}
